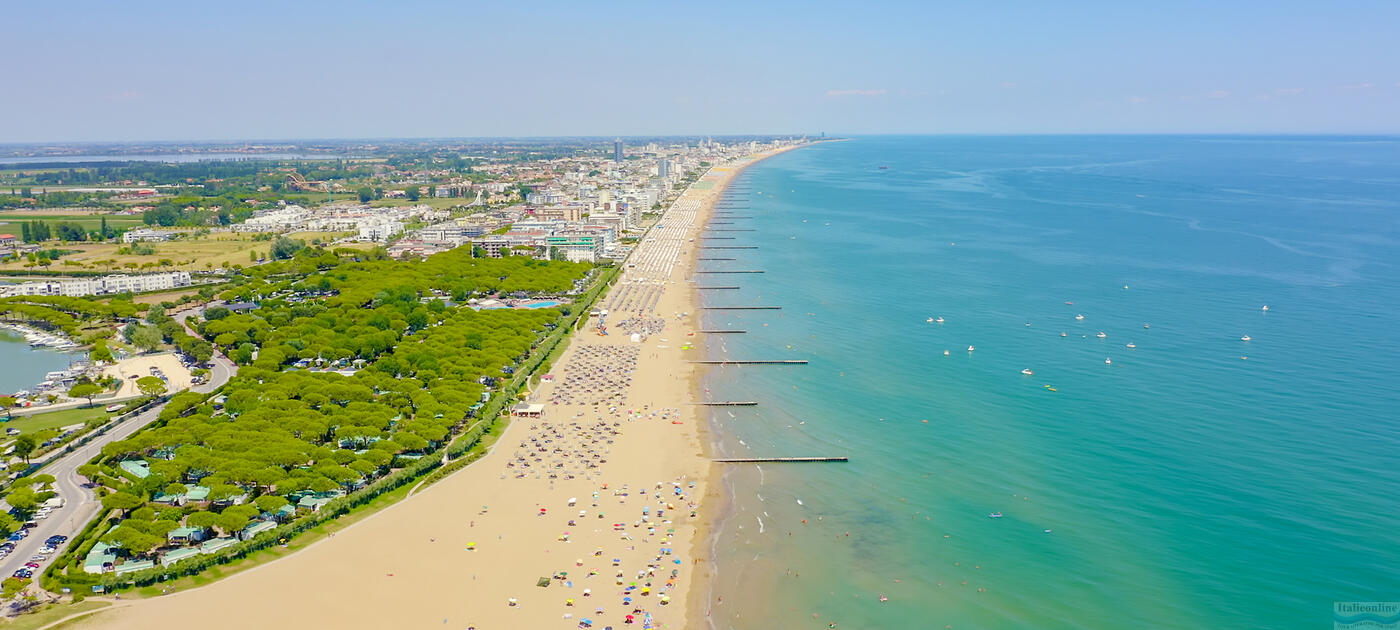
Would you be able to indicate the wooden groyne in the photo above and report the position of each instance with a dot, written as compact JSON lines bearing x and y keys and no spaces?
{"x":742,"y":308}
{"x":718,"y":238}
{"x":723,"y":332}
{"x":733,"y":271}
{"x":714,"y":259}
{"x":728,"y":216}
{"x":722,"y":230}
{"x":751,"y":361}
{"x":728,"y":247}
{"x":728,"y":403}
{"x":779,"y":460}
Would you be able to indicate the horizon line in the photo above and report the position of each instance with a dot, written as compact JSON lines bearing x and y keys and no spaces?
{"x":605,"y":138}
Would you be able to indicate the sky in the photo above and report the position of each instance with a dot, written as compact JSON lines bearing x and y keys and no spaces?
{"x":135,"y":70}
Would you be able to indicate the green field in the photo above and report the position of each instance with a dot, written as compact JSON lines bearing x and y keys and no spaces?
{"x":55,"y":419}
{"x":88,"y":221}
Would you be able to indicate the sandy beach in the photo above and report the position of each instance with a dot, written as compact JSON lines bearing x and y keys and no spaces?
{"x":580,"y":518}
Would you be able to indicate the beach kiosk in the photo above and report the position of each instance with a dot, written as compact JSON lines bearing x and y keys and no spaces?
{"x":528,"y":411}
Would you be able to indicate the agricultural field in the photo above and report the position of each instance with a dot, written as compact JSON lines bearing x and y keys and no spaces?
{"x":9,"y":221}
{"x":189,"y":254}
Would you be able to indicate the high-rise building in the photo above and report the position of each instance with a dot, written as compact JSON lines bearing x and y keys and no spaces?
{"x":663,"y":169}
{"x":617,"y":150}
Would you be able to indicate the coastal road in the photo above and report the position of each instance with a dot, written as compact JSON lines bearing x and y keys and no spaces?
{"x":80,"y":505}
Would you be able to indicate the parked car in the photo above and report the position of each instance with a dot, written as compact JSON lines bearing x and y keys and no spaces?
{"x":24,"y":574}
{"x":32,"y":565}
{"x":47,"y":550}
{"x":38,"y":557}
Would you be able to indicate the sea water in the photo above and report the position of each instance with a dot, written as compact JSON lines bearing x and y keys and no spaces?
{"x":1195,"y":481}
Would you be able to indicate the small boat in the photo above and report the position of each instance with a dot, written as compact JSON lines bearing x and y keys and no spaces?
{"x":1028,"y":372}
{"x":114,"y":407}
{"x":1051,"y":388}
{"x":929,"y":320}
{"x":1266,"y":307}
{"x":884,"y":168}
{"x":1069,"y":303}
{"x":1079,"y":317}
{"x":1101,"y":335}
{"x":939,"y":320}
{"x":1108,"y":361}
{"x":994,"y":515}
{"x":970,"y":348}
{"x":1132,"y":345}
{"x":1244,"y":338}
{"x":882,"y":597}
{"x":1146,"y":326}
{"x":945,"y":353}
{"x":1063,"y":334}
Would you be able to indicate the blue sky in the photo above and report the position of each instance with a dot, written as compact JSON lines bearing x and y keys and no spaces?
{"x":136,"y":70}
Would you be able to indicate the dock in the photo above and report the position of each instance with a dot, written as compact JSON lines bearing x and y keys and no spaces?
{"x":728,"y":403}
{"x":776,"y":460}
{"x":750,"y":361}
{"x":742,"y":308}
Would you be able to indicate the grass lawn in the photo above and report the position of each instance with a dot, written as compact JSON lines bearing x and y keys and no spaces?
{"x":56,"y":419}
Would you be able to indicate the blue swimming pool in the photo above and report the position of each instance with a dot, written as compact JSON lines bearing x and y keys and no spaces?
{"x":540,"y":305}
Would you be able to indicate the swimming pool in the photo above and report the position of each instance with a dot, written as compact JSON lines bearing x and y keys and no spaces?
{"x":540,"y":305}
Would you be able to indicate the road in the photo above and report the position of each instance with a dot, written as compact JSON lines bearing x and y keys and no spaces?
{"x":80,"y":505}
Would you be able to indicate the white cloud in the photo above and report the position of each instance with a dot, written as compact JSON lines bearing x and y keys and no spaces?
{"x":879,"y":92}
{"x":1138,"y":100}
{"x":1358,"y":86}
{"x":1218,"y":94}
{"x":1288,"y":91}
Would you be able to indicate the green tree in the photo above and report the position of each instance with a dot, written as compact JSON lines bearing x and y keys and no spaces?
{"x":147,"y":338}
{"x":284,"y":248}
{"x":412,"y":193}
{"x":8,"y":402}
{"x":24,"y":446}
{"x":100,"y":351}
{"x":85,"y":390}
{"x":150,"y":386}
{"x":365,"y":193}
{"x":122,"y":500}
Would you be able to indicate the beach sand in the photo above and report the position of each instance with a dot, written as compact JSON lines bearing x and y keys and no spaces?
{"x":456,"y":553}
{"x":140,"y":365}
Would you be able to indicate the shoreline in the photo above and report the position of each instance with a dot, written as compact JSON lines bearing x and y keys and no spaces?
{"x":716,"y":504}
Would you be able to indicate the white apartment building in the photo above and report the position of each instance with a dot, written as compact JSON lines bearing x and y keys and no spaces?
{"x":105,"y":285}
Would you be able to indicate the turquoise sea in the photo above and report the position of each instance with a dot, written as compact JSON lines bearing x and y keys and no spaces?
{"x":1181,"y":486}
